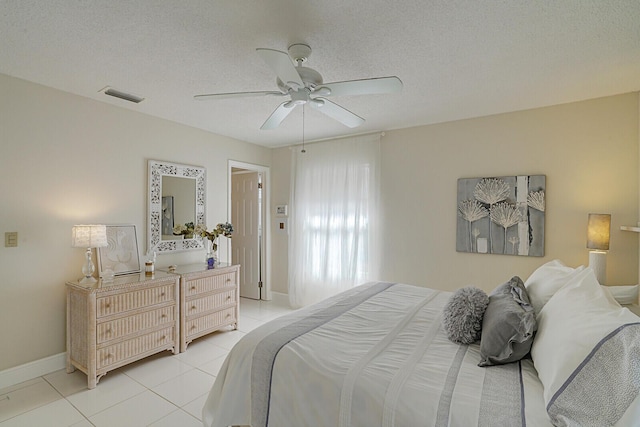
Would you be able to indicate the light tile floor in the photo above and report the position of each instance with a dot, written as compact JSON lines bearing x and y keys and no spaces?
{"x":161,"y":390}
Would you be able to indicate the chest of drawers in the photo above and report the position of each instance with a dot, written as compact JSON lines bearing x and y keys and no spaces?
{"x":113,"y":324}
{"x":209,"y":300}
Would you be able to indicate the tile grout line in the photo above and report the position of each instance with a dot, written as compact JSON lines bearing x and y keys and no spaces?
{"x":267,"y":315}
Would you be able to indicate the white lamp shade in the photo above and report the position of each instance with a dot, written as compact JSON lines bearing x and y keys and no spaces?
{"x":89,"y":236}
{"x":598,"y":231}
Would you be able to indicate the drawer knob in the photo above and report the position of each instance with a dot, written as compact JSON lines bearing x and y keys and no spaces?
{"x":228,"y":315}
{"x":163,"y":316}
{"x":228,"y":280}
{"x":193,"y":327}
{"x":107,"y":305}
{"x":108,"y":332}
{"x":228,"y":297}
{"x":193,"y":288}
{"x":193,"y":307}
{"x":162,"y":294}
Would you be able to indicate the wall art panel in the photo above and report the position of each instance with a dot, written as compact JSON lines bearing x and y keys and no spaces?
{"x":501,"y":215}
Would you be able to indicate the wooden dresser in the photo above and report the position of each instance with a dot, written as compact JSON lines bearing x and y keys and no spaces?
{"x":112,"y":324}
{"x":209,"y":299}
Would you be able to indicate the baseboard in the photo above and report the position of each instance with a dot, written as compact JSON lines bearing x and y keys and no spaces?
{"x":31,"y":370}
{"x":280,"y":298}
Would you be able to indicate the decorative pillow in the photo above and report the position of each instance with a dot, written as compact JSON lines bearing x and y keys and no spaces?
{"x":587,"y":353}
{"x":624,"y":294}
{"x":546,"y":280}
{"x":462,"y":315}
{"x":508,"y":325}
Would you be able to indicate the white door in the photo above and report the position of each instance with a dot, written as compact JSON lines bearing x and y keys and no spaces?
{"x":247,"y":236}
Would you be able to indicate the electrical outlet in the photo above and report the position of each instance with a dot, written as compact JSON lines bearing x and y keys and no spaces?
{"x":11,"y":239}
{"x":281,"y":226}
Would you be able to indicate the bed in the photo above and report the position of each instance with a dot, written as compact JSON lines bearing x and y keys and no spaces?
{"x":378,"y":355}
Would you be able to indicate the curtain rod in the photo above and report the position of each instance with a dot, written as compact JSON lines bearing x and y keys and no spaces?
{"x":314,"y":141}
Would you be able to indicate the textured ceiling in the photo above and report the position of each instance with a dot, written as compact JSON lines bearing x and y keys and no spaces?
{"x":457,"y":59}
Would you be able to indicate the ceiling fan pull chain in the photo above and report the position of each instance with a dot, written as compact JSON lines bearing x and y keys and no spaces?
{"x":303,"y":150}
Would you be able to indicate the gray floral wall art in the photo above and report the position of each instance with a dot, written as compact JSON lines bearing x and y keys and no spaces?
{"x":501,"y":215}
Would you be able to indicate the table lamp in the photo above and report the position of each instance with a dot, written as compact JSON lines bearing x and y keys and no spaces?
{"x":598,"y":231}
{"x":88,"y":236}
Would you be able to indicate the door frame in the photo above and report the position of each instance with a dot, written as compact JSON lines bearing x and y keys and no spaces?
{"x":266,"y":224}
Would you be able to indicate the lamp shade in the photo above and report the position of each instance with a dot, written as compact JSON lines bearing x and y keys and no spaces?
{"x":598,"y":231}
{"x":89,"y":236}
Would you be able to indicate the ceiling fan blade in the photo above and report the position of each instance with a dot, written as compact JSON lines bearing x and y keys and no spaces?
{"x":361,"y":87}
{"x":281,"y":64}
{"x":208,"y":96}
{"x":338,"y":113}
{"x":277,"y":116}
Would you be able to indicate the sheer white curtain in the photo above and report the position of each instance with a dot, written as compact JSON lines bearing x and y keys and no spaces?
{"x":334,"y":218}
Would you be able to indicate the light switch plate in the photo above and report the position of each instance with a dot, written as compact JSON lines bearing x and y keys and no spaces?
{"x":11,"y":239}
{"x":281,"y":210}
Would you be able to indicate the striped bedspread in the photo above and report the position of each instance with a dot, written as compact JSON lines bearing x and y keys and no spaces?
{"x":373,"y":356}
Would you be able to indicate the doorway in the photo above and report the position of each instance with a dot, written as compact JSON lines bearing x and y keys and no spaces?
{"x":248,"y":210}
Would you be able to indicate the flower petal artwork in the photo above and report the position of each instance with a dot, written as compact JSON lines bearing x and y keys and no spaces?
{"x":501,"y":215}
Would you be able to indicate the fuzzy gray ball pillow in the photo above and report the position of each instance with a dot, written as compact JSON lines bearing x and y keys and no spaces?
{"x":463,"y":313}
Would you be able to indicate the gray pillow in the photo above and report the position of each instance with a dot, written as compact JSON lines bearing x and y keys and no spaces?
{"x":462,"y":315}
{"x":508,"y":325}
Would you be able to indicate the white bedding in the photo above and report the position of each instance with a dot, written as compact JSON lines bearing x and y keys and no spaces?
{"x":381,"y":361}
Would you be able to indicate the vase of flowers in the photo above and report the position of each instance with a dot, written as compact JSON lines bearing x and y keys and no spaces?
{"x":222,"y":229}
{"x":187,"y":230}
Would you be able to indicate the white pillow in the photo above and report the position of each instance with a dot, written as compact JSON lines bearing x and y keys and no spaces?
{"x":624,"y":294}
{"x":570,"y":326}
{"x":546,"y":280}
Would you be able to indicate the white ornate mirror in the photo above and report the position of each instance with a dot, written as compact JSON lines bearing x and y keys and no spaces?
{"x":176,"y":197}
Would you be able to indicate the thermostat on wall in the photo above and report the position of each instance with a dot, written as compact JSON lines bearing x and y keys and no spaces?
{"x":281,"y":210}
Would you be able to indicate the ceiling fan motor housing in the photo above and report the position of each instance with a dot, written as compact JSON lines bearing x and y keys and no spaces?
{"x":310,"y":77}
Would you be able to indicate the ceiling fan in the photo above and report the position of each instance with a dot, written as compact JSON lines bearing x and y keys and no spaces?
{"x":303,"y":85}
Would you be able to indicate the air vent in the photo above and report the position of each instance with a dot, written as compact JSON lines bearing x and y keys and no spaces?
{"x":122,"y":95}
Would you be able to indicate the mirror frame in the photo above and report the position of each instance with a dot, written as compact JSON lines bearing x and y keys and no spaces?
{"x":158,"y":169}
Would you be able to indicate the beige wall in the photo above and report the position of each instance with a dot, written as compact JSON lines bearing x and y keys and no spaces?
{"x":587,"y":150}
{"x":280,"y":187}
{"x":67,"y":160}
